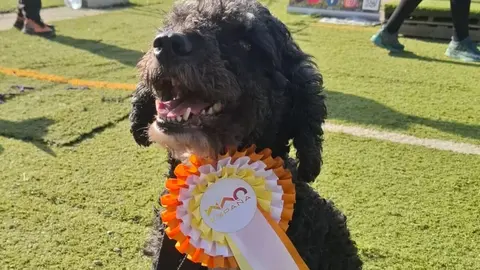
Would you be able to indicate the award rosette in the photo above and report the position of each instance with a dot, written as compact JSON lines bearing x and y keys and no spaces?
{"x":232,"y":213}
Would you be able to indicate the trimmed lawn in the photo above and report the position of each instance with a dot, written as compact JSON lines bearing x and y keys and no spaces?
{"x":366,"y":85}
{"x":408,"y":207}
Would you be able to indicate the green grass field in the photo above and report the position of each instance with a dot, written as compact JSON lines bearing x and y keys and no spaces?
{"x":76,"y":191}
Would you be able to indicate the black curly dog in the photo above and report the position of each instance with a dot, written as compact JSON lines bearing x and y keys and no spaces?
{"x":228,"y":73}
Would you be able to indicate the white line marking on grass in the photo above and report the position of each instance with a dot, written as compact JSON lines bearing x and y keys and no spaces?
{"x":464,"y":148}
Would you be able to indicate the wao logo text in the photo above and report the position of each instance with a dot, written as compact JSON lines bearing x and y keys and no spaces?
{"x":221,"y":209}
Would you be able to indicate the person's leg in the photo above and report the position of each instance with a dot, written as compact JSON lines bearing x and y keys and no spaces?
{"x":461,"y":46}
{"x":19,"y":12}
{"x":387,"y":37}
{"x":32,"y":10}
{"x":460,"y":10}
{"x":20,"y":21}
{"x":404,"y":9}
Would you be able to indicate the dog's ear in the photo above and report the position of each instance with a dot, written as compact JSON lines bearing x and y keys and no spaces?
{"x":264,"y":42}
{"x":308,"y":115}
{"x":142,"y":114}
{"x":304,"y":86}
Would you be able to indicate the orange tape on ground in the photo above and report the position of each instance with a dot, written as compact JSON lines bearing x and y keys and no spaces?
{"x":59,"y":79}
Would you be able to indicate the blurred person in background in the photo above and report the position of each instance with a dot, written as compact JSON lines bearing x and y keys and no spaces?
{"x":461,"y":47}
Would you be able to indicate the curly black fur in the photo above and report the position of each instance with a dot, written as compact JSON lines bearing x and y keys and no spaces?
{"x":246,"y":59}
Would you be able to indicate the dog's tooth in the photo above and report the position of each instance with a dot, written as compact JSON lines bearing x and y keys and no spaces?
{"x":187,"y":113}
{"x":179,"y":118}
{"x":217,"y":107}
{"x":203,"y":112}
{"x":210,"y":111}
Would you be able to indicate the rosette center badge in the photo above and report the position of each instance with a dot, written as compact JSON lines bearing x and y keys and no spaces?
{"x":228,"y":206}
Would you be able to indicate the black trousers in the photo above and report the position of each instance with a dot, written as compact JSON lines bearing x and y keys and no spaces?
{"x":460,"y":10}
{"x":30,"y":9}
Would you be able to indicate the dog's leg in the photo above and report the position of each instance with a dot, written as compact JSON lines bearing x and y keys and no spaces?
{"x":341,"y":252}
{"x":320,"y":234}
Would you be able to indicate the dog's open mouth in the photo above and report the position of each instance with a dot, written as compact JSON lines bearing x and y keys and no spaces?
{"x":185,"y":109}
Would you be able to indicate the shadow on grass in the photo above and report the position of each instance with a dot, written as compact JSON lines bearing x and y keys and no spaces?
{"x":30,"y":130}
{"x":298,"y":27}
{"x":1,"y":149}
{"x":411,"y":55}
{"x":125,"y":56}
{"x":365,"y":111}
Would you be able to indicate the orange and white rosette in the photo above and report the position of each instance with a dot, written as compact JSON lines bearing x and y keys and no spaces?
{"x":233,"y":213}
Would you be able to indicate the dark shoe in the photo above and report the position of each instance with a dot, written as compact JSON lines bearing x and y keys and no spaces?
{"x":19,"y":22}
{"x":40,"y":29}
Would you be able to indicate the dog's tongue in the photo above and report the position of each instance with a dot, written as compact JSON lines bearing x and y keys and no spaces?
{"x":177,"y":107}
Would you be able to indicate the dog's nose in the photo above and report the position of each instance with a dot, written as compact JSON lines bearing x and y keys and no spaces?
{"x":177,"y":43}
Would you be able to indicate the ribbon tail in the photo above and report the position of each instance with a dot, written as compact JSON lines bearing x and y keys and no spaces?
{"x":285,"y":240}
{"x":241,"y":260}
{"x":259,"y":246}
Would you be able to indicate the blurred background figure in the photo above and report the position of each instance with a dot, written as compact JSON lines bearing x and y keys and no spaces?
{"x":461,"y":47}
{"x":29,"y":20}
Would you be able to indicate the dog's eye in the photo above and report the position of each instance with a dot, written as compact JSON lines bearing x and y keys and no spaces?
{"x":230,"y":32}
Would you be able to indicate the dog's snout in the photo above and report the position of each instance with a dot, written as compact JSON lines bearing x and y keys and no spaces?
{"x":159,"y":42}
{"x":181,"y":45}
{"x":177,"y":43}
